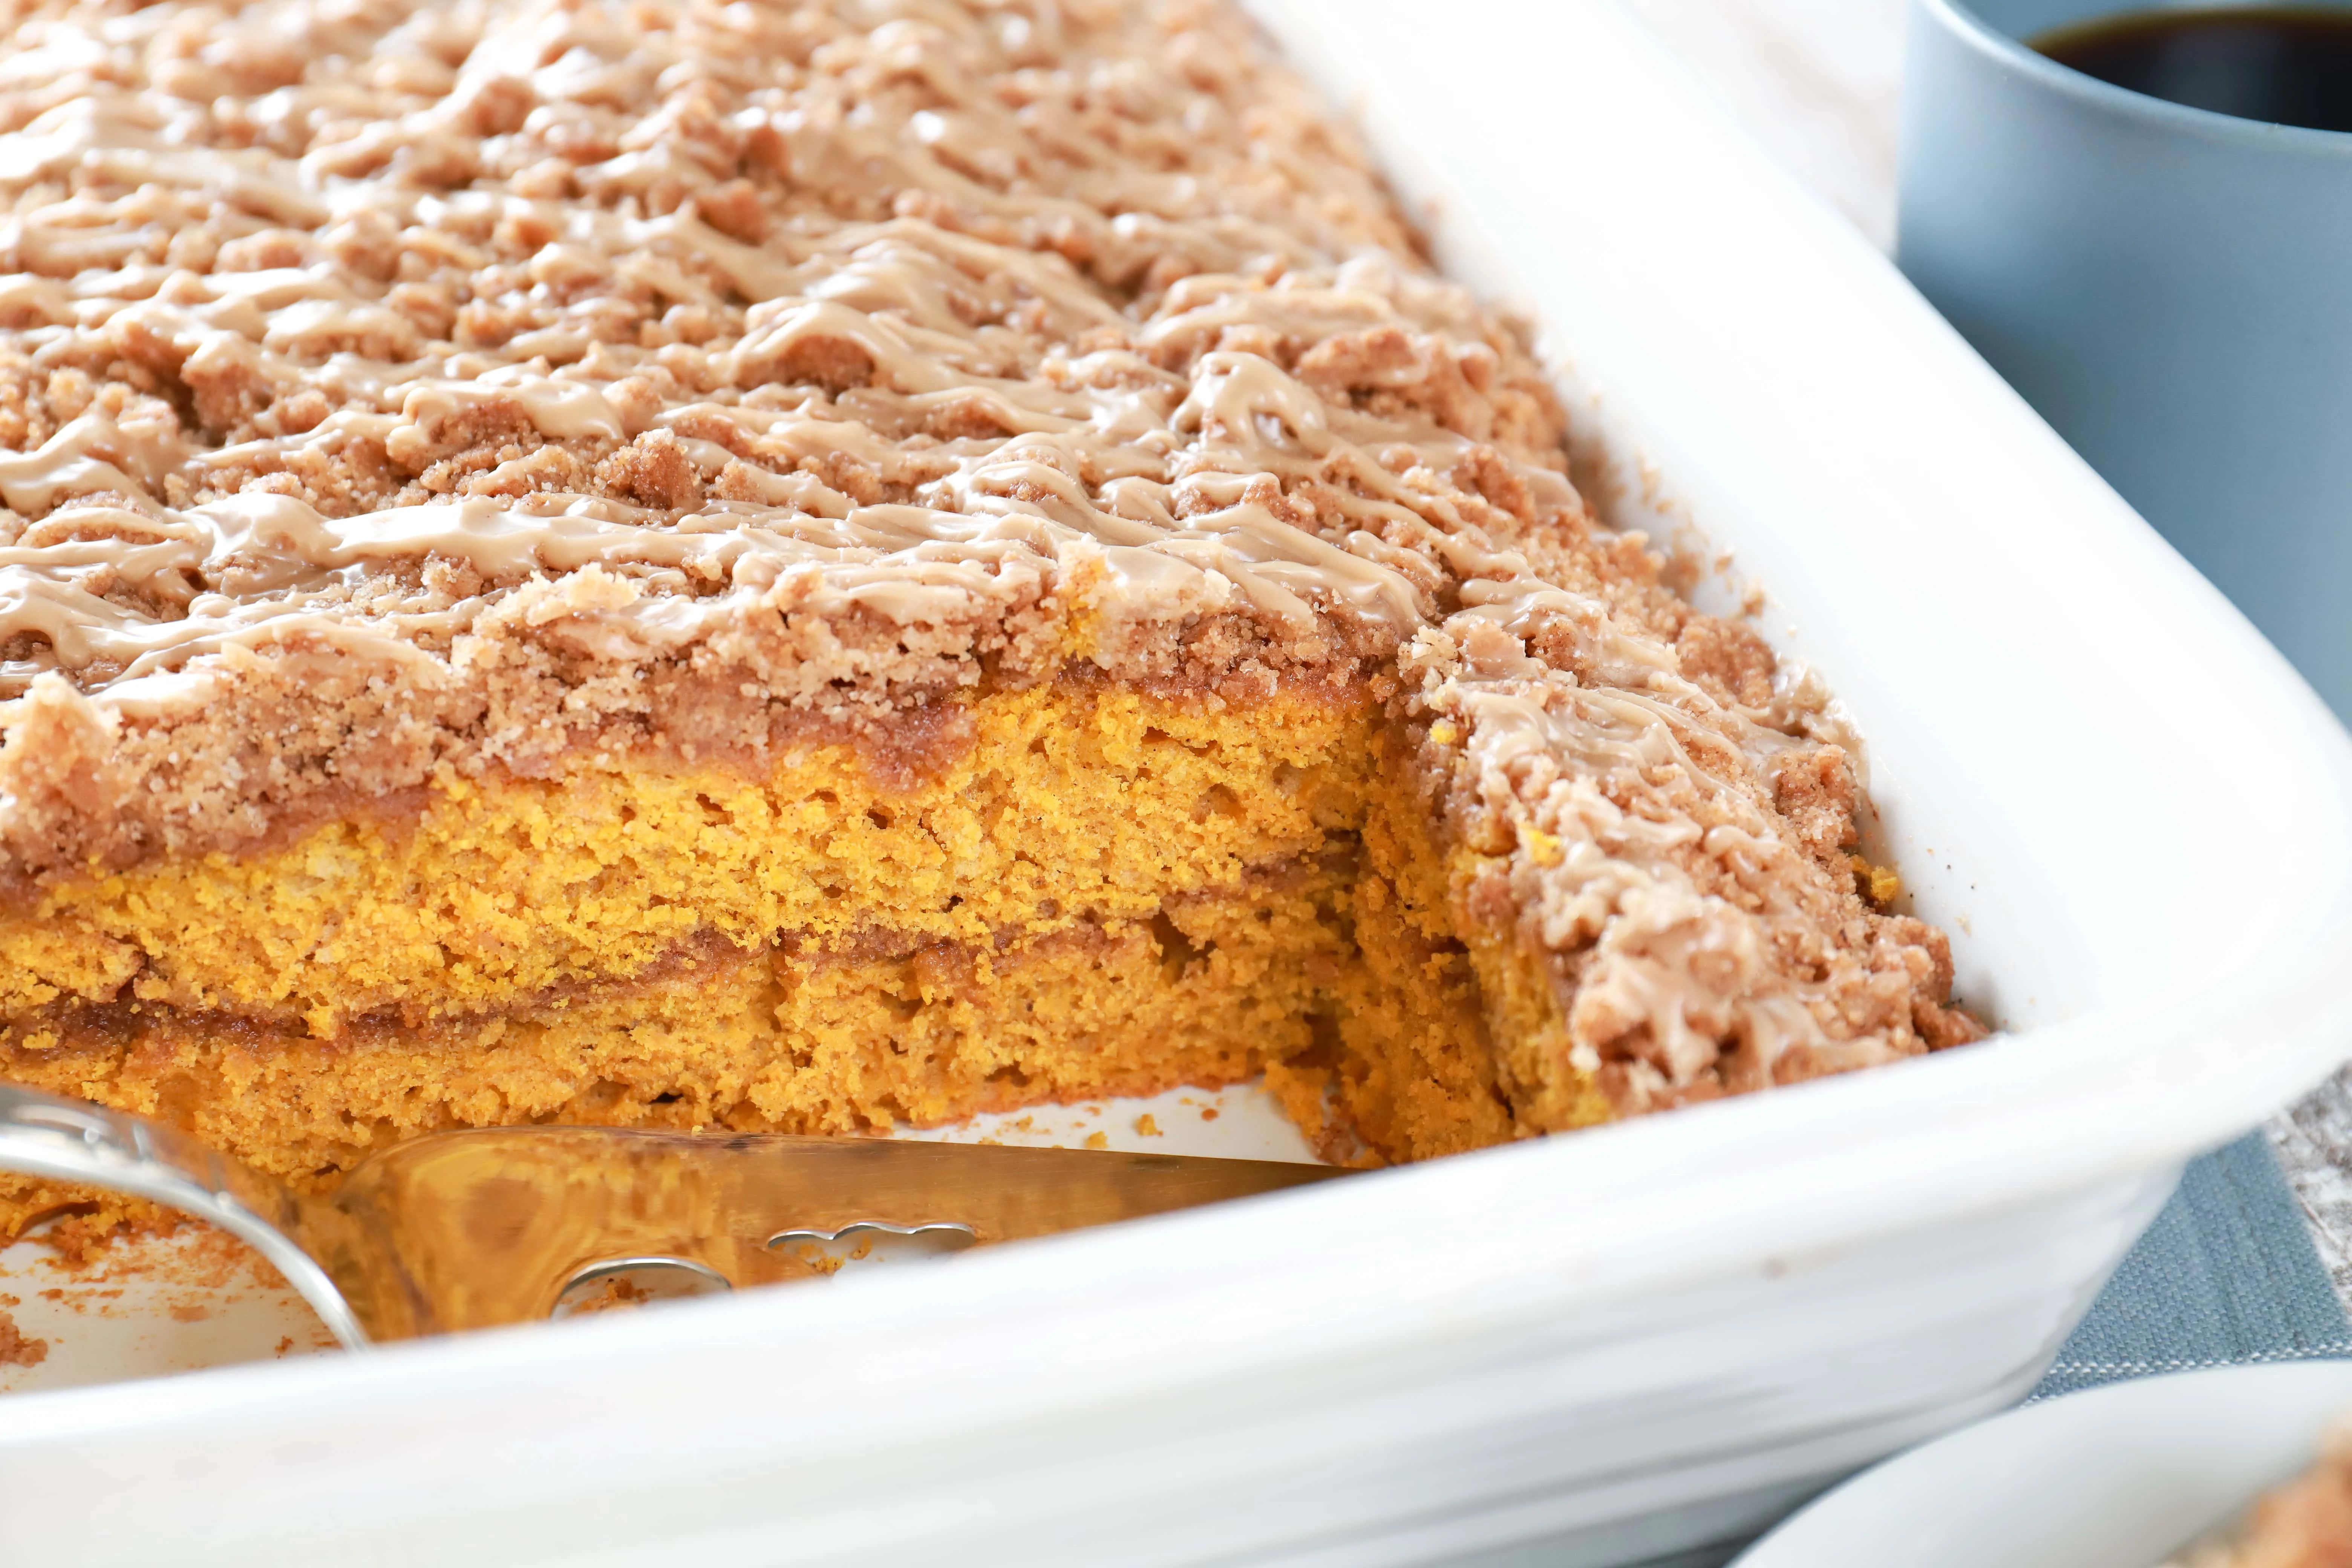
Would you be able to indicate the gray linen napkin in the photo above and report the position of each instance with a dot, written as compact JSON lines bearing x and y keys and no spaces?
{"x":2225,"y":1275}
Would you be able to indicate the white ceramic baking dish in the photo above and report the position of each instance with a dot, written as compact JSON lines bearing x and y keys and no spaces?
{"x":1635,"y":1343}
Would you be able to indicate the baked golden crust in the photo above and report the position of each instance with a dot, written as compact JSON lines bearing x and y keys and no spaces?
{"x":622,"y":455}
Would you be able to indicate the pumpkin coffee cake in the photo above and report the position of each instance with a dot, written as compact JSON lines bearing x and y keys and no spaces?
{"x":825,"y":566}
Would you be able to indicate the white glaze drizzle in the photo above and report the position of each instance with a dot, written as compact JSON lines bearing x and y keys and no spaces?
{"x":930,"y":310}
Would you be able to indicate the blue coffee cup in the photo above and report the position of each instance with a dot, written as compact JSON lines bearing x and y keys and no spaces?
{"x":2170,"y":287}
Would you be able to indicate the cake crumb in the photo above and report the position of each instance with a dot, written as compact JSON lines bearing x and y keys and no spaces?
{"x":1147,"y":1126}
{"x":613,"y":1294}
{"x":18,"y":1348}
{"x":1208,"y":1113}
{"x":1882,"y":885}
{"x":1097,"y":1141}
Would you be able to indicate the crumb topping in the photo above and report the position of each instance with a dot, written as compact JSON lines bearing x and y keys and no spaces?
{"x":1678,"y":859}
{"x":396,"y":392}
{"x":513,"y":360}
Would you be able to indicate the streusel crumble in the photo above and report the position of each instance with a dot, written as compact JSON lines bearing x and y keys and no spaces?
{"x":822,"y":566}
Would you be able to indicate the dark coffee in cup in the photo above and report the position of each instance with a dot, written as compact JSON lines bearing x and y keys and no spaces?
{"x":2286,"y":65}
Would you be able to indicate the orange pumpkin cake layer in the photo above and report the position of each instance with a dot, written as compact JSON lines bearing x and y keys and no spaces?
{"x":765,"y":566}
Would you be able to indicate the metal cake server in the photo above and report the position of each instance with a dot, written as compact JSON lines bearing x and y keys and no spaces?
{"x":469,"y":1229}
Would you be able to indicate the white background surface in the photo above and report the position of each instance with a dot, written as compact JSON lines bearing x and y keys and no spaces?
{"x":1817,"y":81}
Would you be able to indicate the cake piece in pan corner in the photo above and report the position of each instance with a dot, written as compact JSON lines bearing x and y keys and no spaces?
{"x":821,"y":567}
